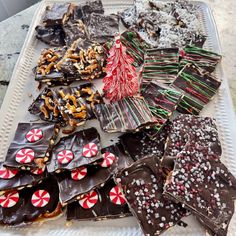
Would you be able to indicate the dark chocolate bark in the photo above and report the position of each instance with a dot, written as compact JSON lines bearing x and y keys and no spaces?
{"x":204,"y":185}
{"x":68,"y":153}
{"x":24,"y":211}
{"x":102,"y":28}
{"x":161,"y":65}
{"x":31,"y":145}
{"x":128,"y":114}
{"x":142,"y":184}
{"x":103,"y":203}
{"x":129,"y":16}
{"x":92,"y":7}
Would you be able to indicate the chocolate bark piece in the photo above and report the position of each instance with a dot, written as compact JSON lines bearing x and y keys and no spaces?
{"x":128,"y":114}
{"x":45,"y":106}
{"x":142,"y":184}
{"x":57,"y":14}
{"x":102,"y":28}
{"x":197,"y":83}
{"x":202,"y":58}
{"x":103,"y":203}
{"x":162,"y":101}
{"x":84,"y":60}
{"x":204,"y":185}
{"x":92,"y":7}
{"x":187,"y":128}
{"x":24,"y":209}
{"x":11,"y":179}
{"x":135,"y":46}
{"x":129,"y":16}
{"x":31,"y":146}
{"x":86,"y":178}
{"x":51,"y":35}
{"x":141,"y":144}
{"x":161,"y":65}
{"x":78,"y":149}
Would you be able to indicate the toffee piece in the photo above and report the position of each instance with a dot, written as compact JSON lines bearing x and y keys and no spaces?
{"x":142,"y":184}
{"x":31,"y":146}
{"x":106,"y":202}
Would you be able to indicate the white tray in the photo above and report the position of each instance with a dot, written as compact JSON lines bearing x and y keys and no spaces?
{"x":17,"y":100}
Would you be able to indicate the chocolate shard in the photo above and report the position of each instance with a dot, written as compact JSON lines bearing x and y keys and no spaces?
{"x":197,"y":83}
{"x":84,"y":179}
{"x":29,"y":204}
{"x":11,"y":179}
{"x":145,"y":143}
{"x":128,"y":114}
{"x":78,"y":149}
{"x":92,"y":7}
{"x":187,"y":128}
{"x":161,"y":65}
{"x":103,"y":203}
{"x":31,"y":146}
{"x":202,"y":58}
{"x":129,"y":16}
{"x":204,"y":186}
{"x":51,"y":35}
{"x":57,"y":14}
{"x":162,"y":101}
{"x":142,"y":184}
{"x":102,"y":28}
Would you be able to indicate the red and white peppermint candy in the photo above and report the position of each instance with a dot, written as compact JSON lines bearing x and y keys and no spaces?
{"x":116,"y":196}
{"x":38,"y":171}
{"x":79,"y":173}
{"x":89,"y":200}
{"x":9,"y":199}
{"x":25,"y":155}
{"x":34,"y":135}
{"x":108,"y":159}
{"x":90,"y":150}
{"x":40,"y":198}
{"x":7,"y":173}
{"x":65,"y":156}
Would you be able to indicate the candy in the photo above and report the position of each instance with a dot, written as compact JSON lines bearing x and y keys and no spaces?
{"x":79,"y":173}
{"x":90,"y":150}
{"x":25,"y":155}
{"x":8,"y":200}
{"x":116,"y":196}
{"x":34,"y":135}
{"x":108,"y":159}
{"x":65,"y":156}
{"x":38,"y":171}
{"x":89,"y":200}
{"x":40,"y":198}
{"x":7,"y":173}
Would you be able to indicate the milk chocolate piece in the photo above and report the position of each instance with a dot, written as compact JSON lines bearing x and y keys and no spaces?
{"x":128,"y":114}
{"x":204,"y":185}
{"x":72,"y":183}
{"x":106,"y":203}
{"x":102,"y":28}
{"x":24,"y":211}
{"x":78,"y":149}
{"x":142,"y":184}
{"x":31,"y":146}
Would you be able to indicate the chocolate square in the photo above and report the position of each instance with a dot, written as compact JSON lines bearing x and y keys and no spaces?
{"x":105,"y":204}
{"x":142,"y":184}
{"x":31,"y":146}
{"x":75,"y":150}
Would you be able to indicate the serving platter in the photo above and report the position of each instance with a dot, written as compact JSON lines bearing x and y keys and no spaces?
{"x":23,"y":89}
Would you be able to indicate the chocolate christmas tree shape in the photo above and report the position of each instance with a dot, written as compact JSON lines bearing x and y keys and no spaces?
{"x":121,"y":80}
{"x":161,"y":65}
{"x":204,"y":185}
{"x":78,"y":149}
{"x":142,"y":184}
{"x":31,"y":146}
{"x":162,"y":101}
{"x":104,"y":203}
{"x":128,"y":114}
{"x":200,"y":57}
{"x":28,"y":204}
